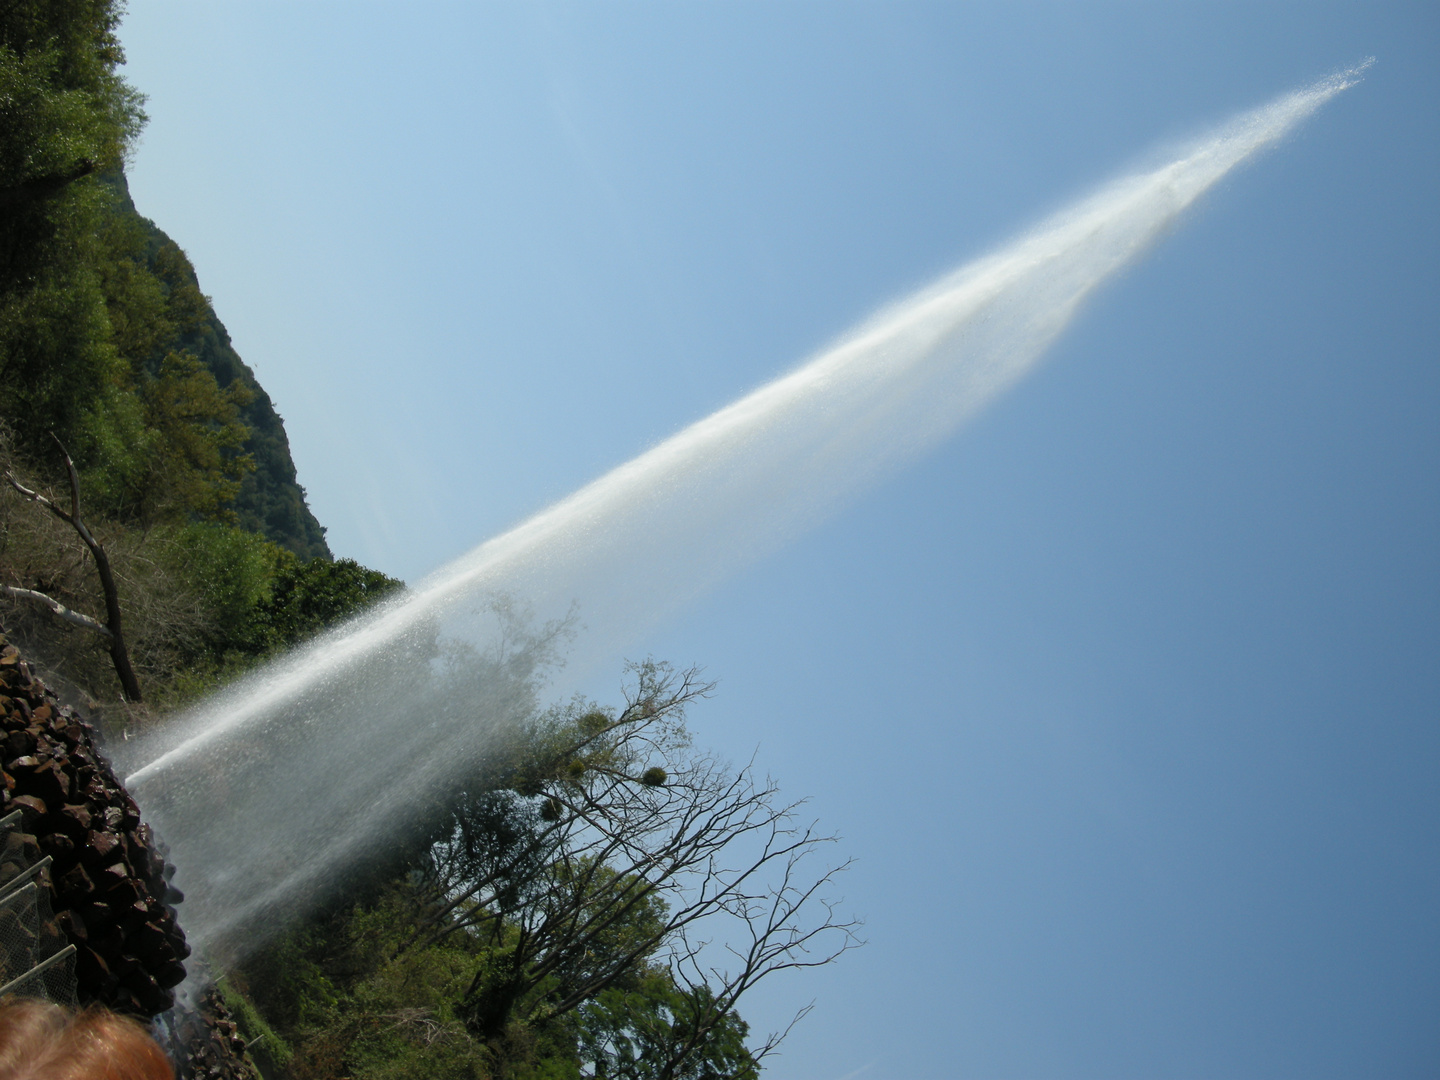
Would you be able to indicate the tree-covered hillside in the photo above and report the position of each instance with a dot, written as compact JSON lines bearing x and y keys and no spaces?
{"x":110,"y":351}
{"x":270,"y":501}
{"x":106,"y":339}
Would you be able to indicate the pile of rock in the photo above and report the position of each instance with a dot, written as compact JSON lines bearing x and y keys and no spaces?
{"x":206,"y":1043}
{"x":108,"y":881}
{"x":108,"y":878}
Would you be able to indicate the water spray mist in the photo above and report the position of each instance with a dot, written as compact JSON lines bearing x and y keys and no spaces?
{"x":267,"y":790}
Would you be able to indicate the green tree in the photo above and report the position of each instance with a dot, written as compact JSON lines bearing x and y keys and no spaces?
{"x":615,"y":843}
{"x":192,"y":466}
{"x":307,"y":597}
{"x":654,"y":1030}
{"x":65,"y":116}
{"x":595,"y":902}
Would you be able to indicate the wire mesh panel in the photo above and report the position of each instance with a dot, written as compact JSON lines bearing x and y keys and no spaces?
{"x":35,"y":958}
{"x":13,"y":856}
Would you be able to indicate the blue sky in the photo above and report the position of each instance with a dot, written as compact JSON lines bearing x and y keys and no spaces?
{"x":1125,"y":700}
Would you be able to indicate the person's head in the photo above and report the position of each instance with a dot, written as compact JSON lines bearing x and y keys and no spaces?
{"x":41,"y":1041}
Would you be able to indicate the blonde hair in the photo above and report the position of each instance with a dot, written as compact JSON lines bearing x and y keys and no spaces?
{"x":41,"y":1041}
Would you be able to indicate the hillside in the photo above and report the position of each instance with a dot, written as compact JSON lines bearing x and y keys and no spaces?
{"x":112,"y":356}
{"x":270,"y":501}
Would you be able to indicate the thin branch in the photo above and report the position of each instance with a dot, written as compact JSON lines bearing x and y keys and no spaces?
{"x":119,"y":655}
{"x":35,"y":496}
{"x":58,"y":608}
{"x":628,"y":876}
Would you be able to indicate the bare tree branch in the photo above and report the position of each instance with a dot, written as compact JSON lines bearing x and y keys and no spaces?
{"x":119,"y":656}
{"x":58,"y":608}
{"x":706,"y":872}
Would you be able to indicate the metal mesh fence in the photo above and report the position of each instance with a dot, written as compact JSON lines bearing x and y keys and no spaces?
{"x":35,"y":958}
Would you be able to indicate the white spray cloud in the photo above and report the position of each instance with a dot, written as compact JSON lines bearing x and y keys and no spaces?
{"x":654,"y":533}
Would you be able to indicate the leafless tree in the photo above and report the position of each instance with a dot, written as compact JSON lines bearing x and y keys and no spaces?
{"x":615,"y":845}
{"x":111,"y":629}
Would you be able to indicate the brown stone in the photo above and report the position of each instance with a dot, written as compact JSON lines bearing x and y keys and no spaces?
{"x":100,"y":848}
{"x":126,"y":892}
{"x":111,"y":876}
{"x":90,"y":965}
{"x":75,"y":886}
{"x":108,"y":870}
{"x":97,"y":915}
{"x":74,"y":818}
{"x":44,"y":780}
{"x":171,"y":975}
{"x":29,"y":802}
{"x":59,"y":847}
{"x":72,"y":926}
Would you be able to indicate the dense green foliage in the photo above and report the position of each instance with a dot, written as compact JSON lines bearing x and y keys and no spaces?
{"x":360,"y":1002}
{"x":64,"y":115}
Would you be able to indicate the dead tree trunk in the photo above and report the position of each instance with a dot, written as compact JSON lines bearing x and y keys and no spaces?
{"x":111,"y":627}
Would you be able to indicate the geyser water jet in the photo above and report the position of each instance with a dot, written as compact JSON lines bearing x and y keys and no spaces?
{"x":269,"y":789}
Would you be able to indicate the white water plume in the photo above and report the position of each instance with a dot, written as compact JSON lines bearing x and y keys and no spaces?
{"x":270,"y":787}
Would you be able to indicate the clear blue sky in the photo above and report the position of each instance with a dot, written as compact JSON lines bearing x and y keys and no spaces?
{"x":1127,"y":701}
